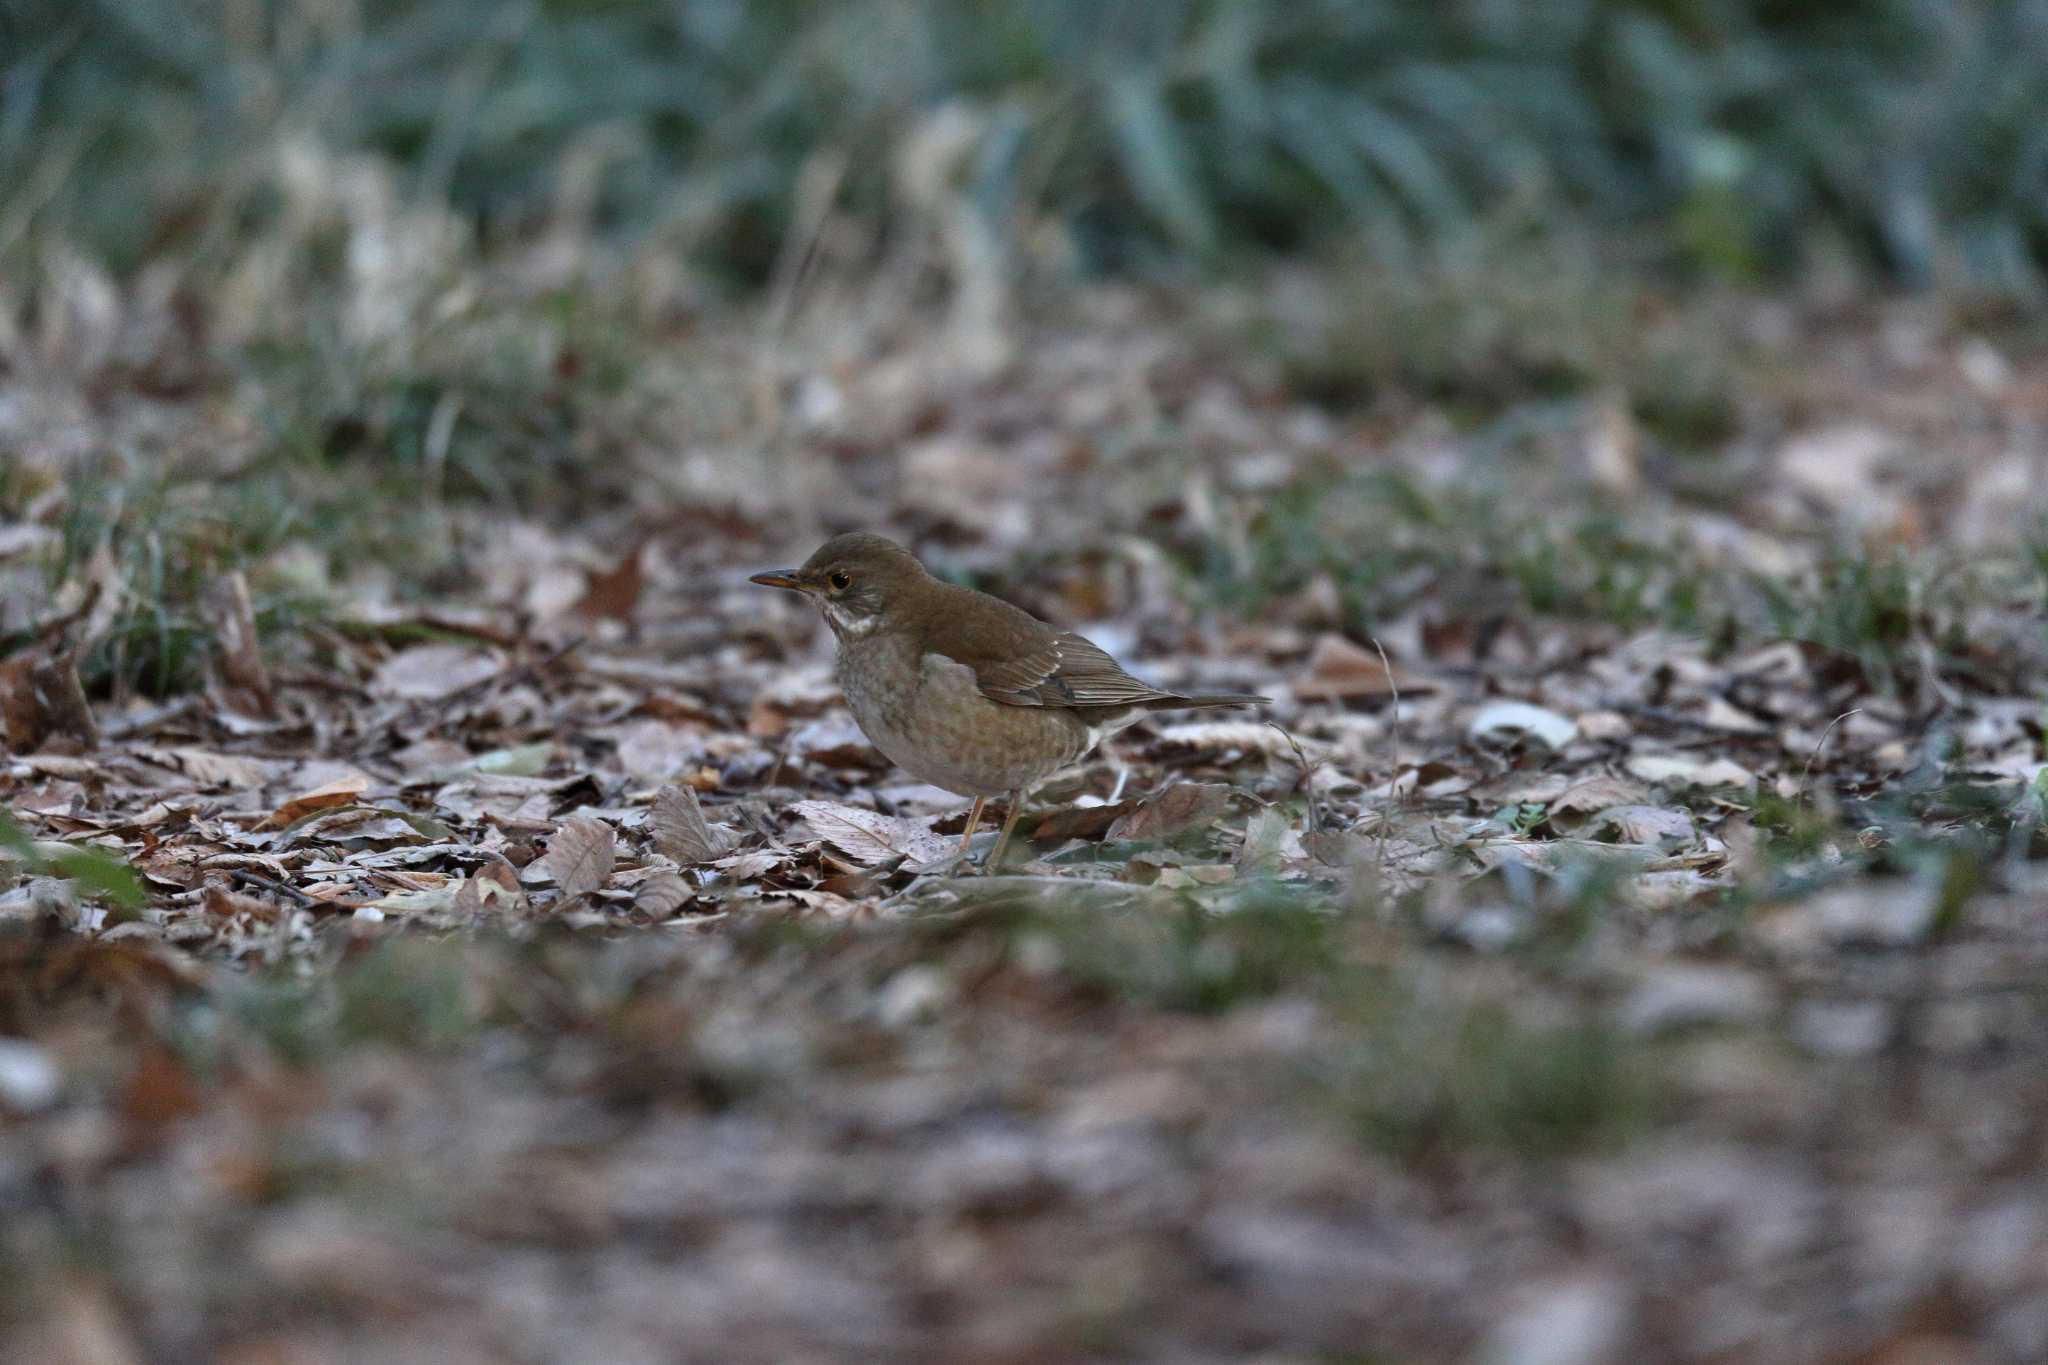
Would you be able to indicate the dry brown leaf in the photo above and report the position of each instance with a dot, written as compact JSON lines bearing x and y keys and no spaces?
{"x":680,"y":830}
{"x":1241,"y":736}
{"x":1661,"y":826}
{"x":481,"y":893}
{"x":614,"y":592}
{"x":243,"y":682}
{"x":1686,"y":770}
{"x":210,"y":769}
{"x":581,"y":856}
{"x":340,"y":792}
{"x":1339,"y":670}
{"x":870,"y":837}
{"x":1182,"y":806}
{"x":40,"y":697}
{"x":658,"y":750}
{"x":1078,"y":822}
{"x":428,"y":672}
{"x":662,"y":894}
{"x":1597,"y":794}
{"x":837,"y":743}
{"x":744,"y":867}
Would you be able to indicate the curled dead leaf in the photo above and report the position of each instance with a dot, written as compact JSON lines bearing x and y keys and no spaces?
{"x":40,"y":697}
{"x":1659,"y":826}
{"x":1182,"y":806}
{"x":241,"y":679}
{"x":1339,"y":670}
{"x":1503,"y":721}
{"x":340,"y":792}
{"x":662,"y":895}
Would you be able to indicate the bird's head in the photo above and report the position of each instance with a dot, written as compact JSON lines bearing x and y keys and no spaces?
{"x":856,"y":580}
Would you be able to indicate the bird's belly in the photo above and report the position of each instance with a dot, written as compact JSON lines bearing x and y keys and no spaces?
{"x":942,"y":730}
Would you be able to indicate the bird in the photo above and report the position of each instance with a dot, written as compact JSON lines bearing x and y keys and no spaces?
{"x":960,"y":689}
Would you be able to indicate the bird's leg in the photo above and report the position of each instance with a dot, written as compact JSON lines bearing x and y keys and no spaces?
{"x":1122,"y":770}
{"x":973,"y":824}
{"x":995,"y":857}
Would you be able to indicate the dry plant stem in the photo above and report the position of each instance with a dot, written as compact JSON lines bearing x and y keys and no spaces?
{"x":1394,"y":752}
{"x":243,"y":877}
{"x":1308,"y":771}
{"x":1806,"y":773}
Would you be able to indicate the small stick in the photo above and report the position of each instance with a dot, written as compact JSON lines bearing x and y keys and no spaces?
{"x":276,"y":888}
{"x":1308,"y":770}
{"x":1393,"y":748}
{"x":1806,"y":774}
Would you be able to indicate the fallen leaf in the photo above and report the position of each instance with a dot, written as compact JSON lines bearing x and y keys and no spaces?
{"x":662,"y":894}
{"x":1662,"y":826}
{"x":581,"y":856}
{"x":1181,"y":806}
{"x":40,"y":696}
{"x":1339,"y":670}
{"x":160,"y":1090}
{"x":1269,"y":838}
{"x":1078,"y":822}
{"x":243,"y":682}
{"x":744,"y":867}
{"x":1503,"y":721}
{"x":1684,"y":770}
{"x":210,"y":769}
{"x":492,"y":888}
{"x":680,"y":830}
{"x":1241,"y":736}
{"x":429,"y":672}
{"x":870,"y":837}
{"x":658,"y":750}
{"x":614,"y":592}
{"x":1597,"y":794}
{"x":340,"y":792}
{"x":836,"y":743}
{"x":521,"y":760}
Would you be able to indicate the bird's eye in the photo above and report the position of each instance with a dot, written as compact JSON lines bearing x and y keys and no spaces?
{"x":839,"y":581}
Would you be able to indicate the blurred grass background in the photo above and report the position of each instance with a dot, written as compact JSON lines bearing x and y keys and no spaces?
{"x":386,"y":260}
{"x":1740,"y":136}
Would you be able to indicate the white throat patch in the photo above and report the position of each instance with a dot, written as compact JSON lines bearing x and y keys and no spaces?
{"x":847,"y":623}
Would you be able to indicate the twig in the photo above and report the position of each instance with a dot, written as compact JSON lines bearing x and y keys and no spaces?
{"x":276,"y":888}
{"x":1806,"y":774}
{"x":427,"y":621}
{"x":1394,"y":754}
{"x":1308,"y":771}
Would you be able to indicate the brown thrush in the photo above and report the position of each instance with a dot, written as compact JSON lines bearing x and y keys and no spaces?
{"x":960,"y":689}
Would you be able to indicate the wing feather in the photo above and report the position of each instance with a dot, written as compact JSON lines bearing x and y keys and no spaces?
{"x":1019,"y":660}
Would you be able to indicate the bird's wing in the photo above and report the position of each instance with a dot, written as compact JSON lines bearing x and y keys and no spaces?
{"x":1063,"y":670}
{"x":1019,"y":660}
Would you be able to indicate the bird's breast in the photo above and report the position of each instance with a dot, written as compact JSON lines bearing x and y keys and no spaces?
{"x":928,"y":716}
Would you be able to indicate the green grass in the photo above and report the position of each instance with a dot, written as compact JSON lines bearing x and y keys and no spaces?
{"x":406,"y":992}
{"x":1196,"y":959}
{"x":95,"y":873}
{"x":1497,"y":551}
{"x":1740,"y":130}
{"x":1426,"y":1080}
{"x":153,"y":544}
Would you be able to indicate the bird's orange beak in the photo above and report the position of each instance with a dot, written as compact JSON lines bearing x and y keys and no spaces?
{"x":780,"y":578}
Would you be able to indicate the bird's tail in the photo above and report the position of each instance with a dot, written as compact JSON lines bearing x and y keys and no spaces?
{"x":1214,"y":699}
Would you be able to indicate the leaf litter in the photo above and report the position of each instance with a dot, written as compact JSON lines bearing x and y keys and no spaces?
{"x":579,"y":882}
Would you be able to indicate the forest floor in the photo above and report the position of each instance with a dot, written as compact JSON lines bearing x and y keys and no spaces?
{"x":446,"y":912}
